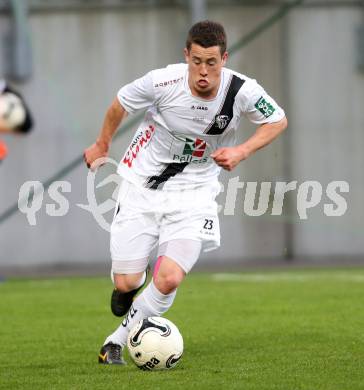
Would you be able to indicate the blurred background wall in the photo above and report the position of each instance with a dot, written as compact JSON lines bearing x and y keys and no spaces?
{"x":84,"y":51}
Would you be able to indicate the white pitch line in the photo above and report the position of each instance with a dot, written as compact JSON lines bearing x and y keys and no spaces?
{"x":285,"y":277}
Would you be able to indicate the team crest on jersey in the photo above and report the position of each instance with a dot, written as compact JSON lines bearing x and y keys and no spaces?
{"x":221,"y":121}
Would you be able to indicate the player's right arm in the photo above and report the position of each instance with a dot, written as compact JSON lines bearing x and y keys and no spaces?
{"x":100,"y":149}
{"x":135,"y":96}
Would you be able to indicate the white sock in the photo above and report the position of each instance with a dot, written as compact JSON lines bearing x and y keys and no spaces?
{"x":151,"y":302}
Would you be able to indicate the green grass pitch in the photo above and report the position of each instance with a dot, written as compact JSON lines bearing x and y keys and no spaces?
{"x":294,"y":330}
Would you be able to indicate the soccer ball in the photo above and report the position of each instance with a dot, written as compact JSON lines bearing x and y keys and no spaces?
{"x":12,"y":110}
{"x":155,"y":343}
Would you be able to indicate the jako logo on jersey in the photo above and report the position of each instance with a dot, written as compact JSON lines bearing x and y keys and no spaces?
{"x":221,"y":121}
{"x":204,"y":108}
{"x":139,"y":142}
{"x":193,"y":151}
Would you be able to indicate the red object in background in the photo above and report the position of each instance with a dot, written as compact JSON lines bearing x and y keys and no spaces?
{"x":3,"y":150}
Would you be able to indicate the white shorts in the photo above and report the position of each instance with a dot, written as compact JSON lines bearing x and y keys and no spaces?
{"x":145,"y":218}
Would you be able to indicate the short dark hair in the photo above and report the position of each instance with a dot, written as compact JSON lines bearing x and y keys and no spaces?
{"x":206,"y":34}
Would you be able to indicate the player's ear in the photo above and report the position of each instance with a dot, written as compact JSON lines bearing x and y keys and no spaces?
{"x":186,"y":53}
{"x":224,"y":58}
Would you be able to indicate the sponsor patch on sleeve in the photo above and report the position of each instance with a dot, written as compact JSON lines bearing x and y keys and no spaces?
{"x":264,"y":107}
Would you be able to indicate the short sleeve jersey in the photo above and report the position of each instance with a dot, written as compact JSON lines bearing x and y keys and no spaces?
{"x":172,"y":145}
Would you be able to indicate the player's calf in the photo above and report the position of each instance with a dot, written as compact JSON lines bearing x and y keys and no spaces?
{"x":126,"y":288}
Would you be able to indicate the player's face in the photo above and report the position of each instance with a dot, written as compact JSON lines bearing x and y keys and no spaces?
{"x":204,"y":68}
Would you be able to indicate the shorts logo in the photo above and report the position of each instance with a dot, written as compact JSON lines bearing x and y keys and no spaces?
{"x":264,"y":107}
{"x":194,"y":147}
{"x":221,"y":121}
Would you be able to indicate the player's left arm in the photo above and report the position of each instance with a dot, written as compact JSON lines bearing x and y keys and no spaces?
{"x":255,"y":104}
{"x":229,"y":157}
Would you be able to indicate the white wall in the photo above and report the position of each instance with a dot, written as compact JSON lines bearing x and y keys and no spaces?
{"x":327,"y":123}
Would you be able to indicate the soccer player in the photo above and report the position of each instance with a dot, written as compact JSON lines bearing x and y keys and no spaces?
{"x":24,"y":127}
{"x":171,"y":168}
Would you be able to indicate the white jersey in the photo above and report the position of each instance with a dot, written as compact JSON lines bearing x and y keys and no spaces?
{"x":171,"y":147}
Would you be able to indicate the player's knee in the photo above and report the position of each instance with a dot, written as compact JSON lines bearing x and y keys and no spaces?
{"x":167,"y":283}
{"x":126,"y":283}
{"x":122,"y":284}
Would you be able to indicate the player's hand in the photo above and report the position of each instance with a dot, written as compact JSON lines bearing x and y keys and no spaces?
{"x":229,"y":157}
{"x":95,"y":155}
